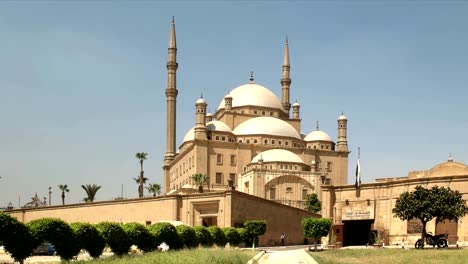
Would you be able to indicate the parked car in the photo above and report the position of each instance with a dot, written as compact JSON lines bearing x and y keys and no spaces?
{"x":44,"y":249}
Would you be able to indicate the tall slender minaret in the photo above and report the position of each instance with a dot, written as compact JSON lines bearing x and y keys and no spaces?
{"x":171,"y":96}
{"x":342,"y":142}
{"x":285,"y":80}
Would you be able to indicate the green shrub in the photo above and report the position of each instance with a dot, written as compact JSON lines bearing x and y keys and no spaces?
{"x":255,"y":228}
{"x":232,"y":236}
{"x":58,"y":233}
{"x":139,"y":236}
{"x":204,"y":236}
{"x":88,"y":238}
{"x":165,"y":232}
{"x":218,"y":235}
{"x":115,"y":237}
{"x":16,"y":237}
{"x":188,"y":236}
{"x":243,"y":234}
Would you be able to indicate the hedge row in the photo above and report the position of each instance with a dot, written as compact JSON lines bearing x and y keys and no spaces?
{"x":20,"y":239}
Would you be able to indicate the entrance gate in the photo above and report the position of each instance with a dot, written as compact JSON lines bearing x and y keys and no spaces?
{"x":356,"y":232}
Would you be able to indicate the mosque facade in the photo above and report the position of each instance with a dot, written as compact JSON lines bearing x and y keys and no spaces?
{"x":252,"y":143}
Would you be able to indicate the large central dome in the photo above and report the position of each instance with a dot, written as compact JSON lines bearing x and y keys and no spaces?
{"x":252,"y":94}
{"x":266,"y":126}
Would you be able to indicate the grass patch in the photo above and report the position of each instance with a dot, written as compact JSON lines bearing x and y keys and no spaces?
{"x":194,"y":256}
{"x":391,"y":256}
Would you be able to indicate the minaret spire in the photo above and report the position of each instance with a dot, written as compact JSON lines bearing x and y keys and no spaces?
{"x":171,"y":96}
{"x":172,"y":36}
{"x":285,"y":80}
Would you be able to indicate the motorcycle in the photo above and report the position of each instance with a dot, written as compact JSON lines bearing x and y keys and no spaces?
{"x":439,"y":240}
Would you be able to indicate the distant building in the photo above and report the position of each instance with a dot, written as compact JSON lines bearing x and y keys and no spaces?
{"x":356,"y":212}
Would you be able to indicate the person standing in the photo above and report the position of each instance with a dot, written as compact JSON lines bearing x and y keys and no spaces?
{"x":283,"y":237}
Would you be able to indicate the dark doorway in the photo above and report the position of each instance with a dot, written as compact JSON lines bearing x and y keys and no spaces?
{"x":356,"y":232}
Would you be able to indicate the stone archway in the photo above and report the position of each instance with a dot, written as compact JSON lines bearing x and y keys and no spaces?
{"x":289,"y":190}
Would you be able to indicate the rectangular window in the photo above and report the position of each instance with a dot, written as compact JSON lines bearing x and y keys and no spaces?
{"x":272,"y":194}
{"x":233,"y":159}
{"x":232,"y":177}
{"x":329,"y":165}
{"x":304,"y":194}
{"x":219,"y":178}
{"x":219,"y":159}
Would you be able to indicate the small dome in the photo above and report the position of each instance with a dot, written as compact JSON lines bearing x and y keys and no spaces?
{"x":266,"y":126}
{"x":209,"y":114}
{"x":277,"y":155}
{"x":214,"y":125}
{"x":201,"y":100}
{"x":252,"y":94}
{"x":296,"y":104}
{"x":228,"y":96}
{"x":317,"y":135}
{"x":342,"y":117}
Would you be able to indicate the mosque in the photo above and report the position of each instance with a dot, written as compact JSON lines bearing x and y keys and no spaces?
{"x":252,"y":143}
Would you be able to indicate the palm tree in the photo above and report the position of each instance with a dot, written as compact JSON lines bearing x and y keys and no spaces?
{"x":141,"y":156}
{"x":63,"y":188}
{"x":91,"y":191}
{"x":137,"y":180}
{"x":154,"y":188}
{"x":200,"y":179}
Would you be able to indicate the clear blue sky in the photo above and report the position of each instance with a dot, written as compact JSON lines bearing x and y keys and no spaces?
{"x":82,"y":83}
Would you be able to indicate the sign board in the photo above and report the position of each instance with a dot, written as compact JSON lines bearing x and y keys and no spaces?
{"x":358,"y":210}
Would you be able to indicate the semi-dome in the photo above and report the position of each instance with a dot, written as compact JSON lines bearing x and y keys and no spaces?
{"x":214,"y":125}
{"x":317,"y":135}
{"x":277,"y":155}
{"x":266,"y":126}
{"x":252,"y":94}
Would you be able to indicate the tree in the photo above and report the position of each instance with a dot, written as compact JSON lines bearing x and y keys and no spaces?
{"x":16,"y":237}
{"x":91,"y":191}
{"x":63,"y":188}
{"x":200,"y":180}
{"x":312,"y":203}
{"x":154,"y":188}
{"x":426,"y":204}
{"x":255,"y":228}
{"x":141,"y":156}
{"x":58,"y":233}
{"x":316,"y":228}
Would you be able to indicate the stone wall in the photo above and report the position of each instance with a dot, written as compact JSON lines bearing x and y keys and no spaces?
{"x":226,"y":208}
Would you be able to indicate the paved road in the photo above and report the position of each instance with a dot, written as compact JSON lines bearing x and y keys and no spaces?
{"x":286,"y":255}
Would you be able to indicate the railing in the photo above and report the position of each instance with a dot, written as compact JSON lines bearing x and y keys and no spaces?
{"x":293,"y":203}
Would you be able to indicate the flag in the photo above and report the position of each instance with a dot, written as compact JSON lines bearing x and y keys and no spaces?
{"x":358,"y":174}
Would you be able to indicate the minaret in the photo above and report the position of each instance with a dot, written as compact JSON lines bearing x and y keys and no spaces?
{"x":200,"y":119}
{"x":171,"y":96}
{"x":228,"y":102}
{"x":342,"y":142}
{"x":295,"y":108}
{"x":285,"y":80}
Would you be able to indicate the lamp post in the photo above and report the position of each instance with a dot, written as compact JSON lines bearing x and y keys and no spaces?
{"x":50,"y":193}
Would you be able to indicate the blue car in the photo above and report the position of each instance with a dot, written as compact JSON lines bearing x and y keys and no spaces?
{"x":44,"y":249}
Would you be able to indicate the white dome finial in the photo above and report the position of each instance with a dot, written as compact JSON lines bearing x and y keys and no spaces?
{"x":317,"y":125}
{"x":450,"y":159}
{"x":251,"y":79}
